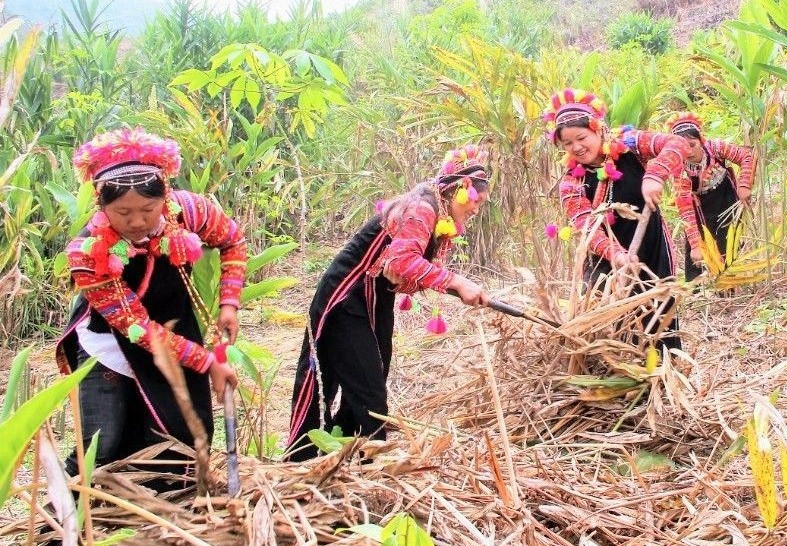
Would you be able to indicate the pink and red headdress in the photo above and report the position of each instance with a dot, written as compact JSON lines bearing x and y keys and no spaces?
{"x":127,"y":146}
{"x":573,"y":104}
{"x":682,"y":121}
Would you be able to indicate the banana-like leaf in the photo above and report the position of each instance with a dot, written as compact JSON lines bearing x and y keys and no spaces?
{"x":19,"y":428}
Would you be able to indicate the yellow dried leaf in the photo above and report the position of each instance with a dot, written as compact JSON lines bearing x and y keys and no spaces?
{"x":761,"y":462}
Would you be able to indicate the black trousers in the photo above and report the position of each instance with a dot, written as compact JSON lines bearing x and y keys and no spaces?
{"x":354,"y":356}
{"x":110,"y":404}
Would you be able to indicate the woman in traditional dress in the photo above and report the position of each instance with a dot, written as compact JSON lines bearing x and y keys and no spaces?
{"x":627,"y":166}
{"x":131,"y":265}
{"x":712,"y":189}
{"x":348,"y":342}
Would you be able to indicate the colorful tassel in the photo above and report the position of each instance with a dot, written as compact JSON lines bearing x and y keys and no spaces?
{"x":461,"y":196}
{"x":578,"y":171}
{"x":565,"y":233}
{"x":135,"y":333}
{"x":550,"y":231}
{"x":445,"y":227}
{"x":220,"y":352}
{"x":193,"y":246}
{"x":114,"y":265}
{"x":472,"y":193}
{"x":406,"y":304}
{"x":436,"y":324}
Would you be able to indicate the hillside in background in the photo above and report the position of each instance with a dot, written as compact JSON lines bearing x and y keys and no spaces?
{"x":579,"y":22}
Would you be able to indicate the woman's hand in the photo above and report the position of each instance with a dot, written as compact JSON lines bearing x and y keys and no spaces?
{"x":622,"y":259}
{"x":228,"y":322}
{"x":220,"y":374}
{"x":744,"y":194}
{"x":469,"y":292}
{"x":696,"y":256}
{"x":651,"y":192}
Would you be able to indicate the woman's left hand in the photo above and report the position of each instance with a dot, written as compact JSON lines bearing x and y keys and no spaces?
{"x":744,"y":194}
{"x":228,"y":322}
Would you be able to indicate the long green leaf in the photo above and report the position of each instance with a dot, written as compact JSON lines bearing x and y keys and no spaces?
{"x":19,"y":428}
{"x":17,"y":367}
{"x":90,"y":466}
{"x":266,"y":288}
{"x":269,"y":255}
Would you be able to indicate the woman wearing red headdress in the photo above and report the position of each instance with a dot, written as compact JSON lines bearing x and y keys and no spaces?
{"x":626,"y":166}
{"x":712,"y":188}
{"x":131,"y":265}
{"x":349,"y":339}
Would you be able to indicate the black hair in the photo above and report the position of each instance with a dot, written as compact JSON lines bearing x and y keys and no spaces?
{"x":689,"y":132}
{"x":581,"y":122}
{"x":153,"y":188}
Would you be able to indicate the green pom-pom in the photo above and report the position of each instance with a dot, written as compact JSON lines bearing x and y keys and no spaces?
{"x":135,"y":333}
{"x":234,"y":355}
{"x":173,"y":207}
{"x":87,"y":244}
{"x":164,"y":245}
{"x":120,"y":249}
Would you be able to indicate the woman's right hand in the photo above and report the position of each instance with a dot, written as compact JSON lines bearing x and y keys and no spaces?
{"x":622,"y":259}
{"x":469,"y":292}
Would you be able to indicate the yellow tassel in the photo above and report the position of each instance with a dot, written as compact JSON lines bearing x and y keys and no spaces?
{"x":445,"y":226}
{"x":652,"y":359}
{"x":579,"y":95}
{"x":605,"y":148}
{"x":461,"y":196}
{"x":565,"y":233}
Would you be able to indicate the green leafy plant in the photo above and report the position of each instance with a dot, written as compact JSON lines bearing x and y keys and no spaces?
{"x":640,"y":28}
{"x":19,"y":428}
{"x":402,"y":530}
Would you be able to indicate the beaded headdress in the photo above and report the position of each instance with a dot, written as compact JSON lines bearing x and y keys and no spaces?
{"x":127,"y":157}
{"x":461,"y":168}
{"x":683,"y":121}
{"x":572,"y":104}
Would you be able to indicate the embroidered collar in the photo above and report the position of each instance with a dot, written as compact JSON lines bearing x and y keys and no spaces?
{"x":111,"y":252}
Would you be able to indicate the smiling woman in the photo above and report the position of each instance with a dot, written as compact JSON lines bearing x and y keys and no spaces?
{"x":626,"y":166}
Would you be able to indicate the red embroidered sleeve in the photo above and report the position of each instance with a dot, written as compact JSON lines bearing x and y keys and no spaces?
{"x":665,"y":155}
{"x":121,"y":307}
{"x":410,"y":231}
{"x":580,"y":211}
{"x":217,"y":230}
{"x":740,"y":155}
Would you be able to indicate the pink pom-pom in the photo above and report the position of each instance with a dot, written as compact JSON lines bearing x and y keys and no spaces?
{"x":578,"y":171}
{"x":552,"y":135}
{"x":378,"y":206}
{"x":436,"y":325}
{"x":220,"y":352}
{"x":472,"y":193}
{"x":100,"y":220}
{"x":569,"y":95}
{"x":448,"y":168}
{"x":550,"y":230}
{"x":114,"y":265}
{"x":406,"y":304}
{"x":193,"y":247}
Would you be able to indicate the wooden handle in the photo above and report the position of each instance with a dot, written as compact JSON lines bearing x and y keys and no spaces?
{"x":503,"y":307}
{"x":639,"y":233}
